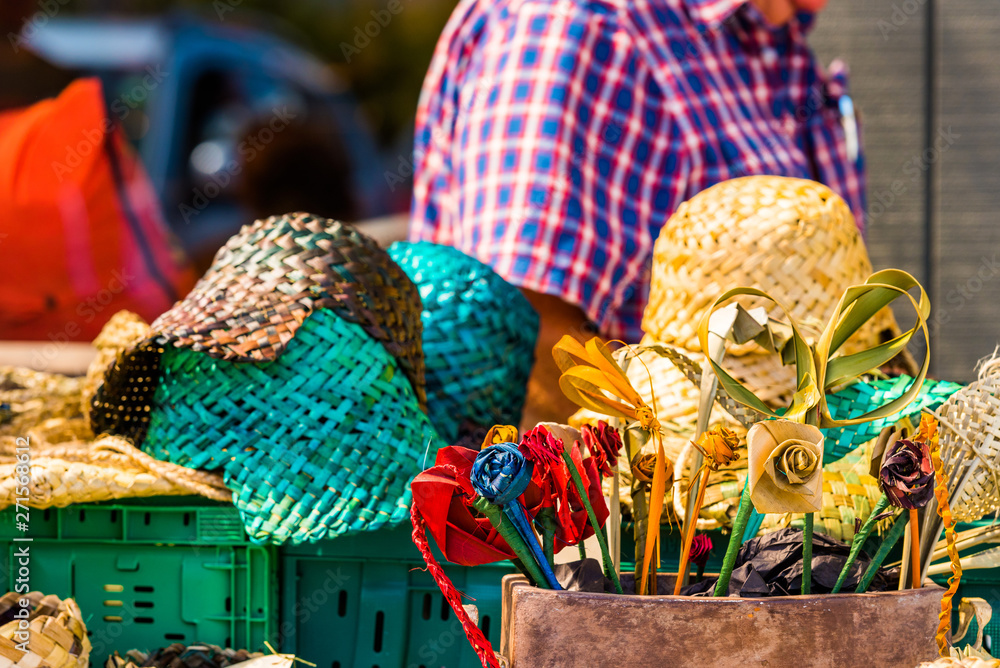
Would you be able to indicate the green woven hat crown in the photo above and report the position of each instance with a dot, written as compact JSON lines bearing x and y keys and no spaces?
{"x":858,"y":398}
{"x":249,"y":306}
{"x":320,"y":442}
{"x":479,"y":336}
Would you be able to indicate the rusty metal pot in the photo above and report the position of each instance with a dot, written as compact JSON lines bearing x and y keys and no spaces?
{"x":543,"y":628}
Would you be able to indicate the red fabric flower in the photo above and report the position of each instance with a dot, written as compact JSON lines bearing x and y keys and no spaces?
{"x":542,"y":447}
{"x":603,"y":443}
{"x":558,"y":492}
{"x":550,"y":474}
{"x":443,"y":495}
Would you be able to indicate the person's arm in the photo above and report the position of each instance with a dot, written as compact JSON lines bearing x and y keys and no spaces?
{"x":546,"y":402}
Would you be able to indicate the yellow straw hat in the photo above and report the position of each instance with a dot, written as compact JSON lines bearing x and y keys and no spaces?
{"x":795,"y":239}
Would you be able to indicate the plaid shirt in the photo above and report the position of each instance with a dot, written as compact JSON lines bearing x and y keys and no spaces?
{"x":555,"y":137}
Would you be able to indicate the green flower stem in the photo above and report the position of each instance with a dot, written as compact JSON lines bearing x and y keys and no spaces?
{"x":807,"y":554}
{"x":609,"y":565}
{"x":507,"y":531}
{"x":859,"y":541}
{"x":735,"y":541}
{"x":582,"y":550}
{"x":883,"y":551}
{"x":812,"y":418}
{"x":547,"y":518}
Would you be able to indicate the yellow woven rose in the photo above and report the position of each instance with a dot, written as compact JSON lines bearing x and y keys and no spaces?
{"x":786,"y":473}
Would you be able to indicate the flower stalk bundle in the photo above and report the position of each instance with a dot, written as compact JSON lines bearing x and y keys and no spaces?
{"x":786,"y":451}
{"x":718,"y":447}
{"x":500,"y":475}
{"x":592,"y":379}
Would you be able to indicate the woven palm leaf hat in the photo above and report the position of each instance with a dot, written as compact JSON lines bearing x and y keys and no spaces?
{"x":479,"y":340}
{"x":792,"y":238}
{"x":295,"y":368}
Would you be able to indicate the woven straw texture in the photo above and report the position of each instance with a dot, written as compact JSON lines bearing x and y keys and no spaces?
{"x":68,"y":465}
{"x":970,"y":445}
{"x":479,"y":339}
{"x":250,"y":304}
{"x":57,"y":636}
{"x":792,"y":238}
{"x":179,"y":656}
{"x":319,"y":443}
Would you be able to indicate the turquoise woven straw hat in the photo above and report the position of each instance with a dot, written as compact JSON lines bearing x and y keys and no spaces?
{"x":321,"y":442}
{"x":295,"y":368}
{"x":479,"y":336}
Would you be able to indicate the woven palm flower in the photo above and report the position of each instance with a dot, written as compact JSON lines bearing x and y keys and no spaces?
{"x":295,"y":372}
{"x":479,"y":336}
{"x":719,"y":446}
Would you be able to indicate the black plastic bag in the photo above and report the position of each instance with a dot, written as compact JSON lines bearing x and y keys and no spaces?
{"x":771,"y":565}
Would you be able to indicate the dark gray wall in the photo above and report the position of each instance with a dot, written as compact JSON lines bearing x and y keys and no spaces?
{"x":926,"y":80}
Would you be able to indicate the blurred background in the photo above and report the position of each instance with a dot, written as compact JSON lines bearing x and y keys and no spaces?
{"x":324,"y":91}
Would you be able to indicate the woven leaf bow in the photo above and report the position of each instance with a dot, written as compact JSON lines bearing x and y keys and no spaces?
{"x":818,"y":367}
{"x":592,"y":379}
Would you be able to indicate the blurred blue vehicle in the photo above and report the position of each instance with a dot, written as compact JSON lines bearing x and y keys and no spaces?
{"x":231,"y":122}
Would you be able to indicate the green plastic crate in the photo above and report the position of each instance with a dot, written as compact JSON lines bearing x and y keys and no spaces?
{"x":365,"y":601}
{"x":148,"y":574}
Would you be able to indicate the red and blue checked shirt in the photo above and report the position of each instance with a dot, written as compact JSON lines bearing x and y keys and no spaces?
{"x":555,"y":137}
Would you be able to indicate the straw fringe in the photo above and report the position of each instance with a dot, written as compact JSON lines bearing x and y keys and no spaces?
{"x":68,"y":464}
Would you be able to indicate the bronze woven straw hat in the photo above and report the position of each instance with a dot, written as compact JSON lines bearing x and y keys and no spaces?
{"x":295,"y":370}
{"x":261,"y":287}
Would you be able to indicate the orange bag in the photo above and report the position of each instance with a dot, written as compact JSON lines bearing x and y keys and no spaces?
{"x":81,"y":233}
